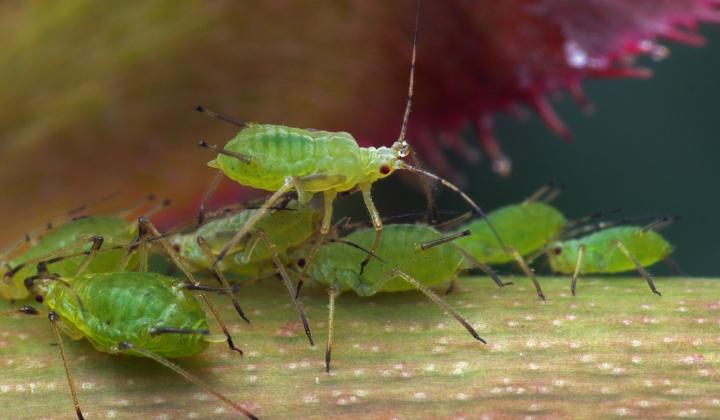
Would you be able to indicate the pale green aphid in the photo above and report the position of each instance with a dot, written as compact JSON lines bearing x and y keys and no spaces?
{"x":263,"y":253}
{"x":134,"y":313}
{"x":281,"y":159}
{"x":288,"y":228}
{"x":413,"y":262}
{"x":65,"y":236}
{"x":526,"y":228}
{"x":612,"y":250}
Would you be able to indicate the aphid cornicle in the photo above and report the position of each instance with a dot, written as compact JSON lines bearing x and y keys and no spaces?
{"x":412,"y":257}
{"x":134,"y":313}
{"x":280,"y":159}
{"x":613,"y":250}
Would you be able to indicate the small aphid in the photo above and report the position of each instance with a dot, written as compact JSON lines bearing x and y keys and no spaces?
{"x":70,"y":234}
{"x":613,"y":250}
{"x":410,"y":256}
{"x":282,"y":159}
{"x":134,"y":313}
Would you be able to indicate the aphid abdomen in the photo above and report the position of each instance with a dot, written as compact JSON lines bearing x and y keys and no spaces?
{"x":526,"y":227}
{"x":400,"y":248}
{"x":278,"y":152}
{"x":649,"y":247}
{"x":119,"y":307}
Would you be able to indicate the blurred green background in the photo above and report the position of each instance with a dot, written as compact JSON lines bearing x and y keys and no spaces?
{"x":97,"y":99}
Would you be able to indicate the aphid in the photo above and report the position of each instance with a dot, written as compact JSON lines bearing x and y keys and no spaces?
{"x":286,"y":228}
{"x":281,"y":159}
{"x":410,"y":256}
{"x":67,"y":235}
{"x":525,"y":227}
{"x":613,"y":250}
{"x":133,"y":313}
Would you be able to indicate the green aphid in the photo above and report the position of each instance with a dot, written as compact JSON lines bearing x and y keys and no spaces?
{"x":412,"y":257}
{"x":613,"y":250}
{"x":288,"y":228}
{"x":281,"y":159}
{"x":66,"y":236}
{"x":134,"y":313}
{"x":526,"y":228}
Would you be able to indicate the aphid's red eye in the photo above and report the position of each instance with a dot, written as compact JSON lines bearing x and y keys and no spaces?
{"x":39,"y":298}
{"x":557,"y":250}
{"x":384,"y":169}
{"x":301,"y":262}
{"x":176,"y":247}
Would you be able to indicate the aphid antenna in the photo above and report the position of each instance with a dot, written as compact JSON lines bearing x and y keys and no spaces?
{"x":356,"y":246}
{"x":401,"y":145}
{"x":220,"y":117}
{"x":595,"y":227}
{"x":445,"y":239}
{"x":454,"y":221}
{"x":479,"y":211}
{"x":418,"y":213}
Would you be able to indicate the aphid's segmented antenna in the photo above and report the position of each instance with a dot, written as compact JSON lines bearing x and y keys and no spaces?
{"x":215,"y":115}
{"x":402,"y":144}
{"x":25,"y":310}
{"x":590,"y":217}
{"x":559,"y":188}
{"x":356,"y":246}
{"x":404,"y":166}
{"x":540,"y":192}
{"x":208,"y":194}
{"x":185,"y":374}
{"x":218,"y":150}
{"x":53,"y":321}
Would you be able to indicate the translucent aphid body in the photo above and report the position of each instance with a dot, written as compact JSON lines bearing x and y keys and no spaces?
{"x":412,"y":257}
{"x":526,"y":227}
{"x":63,"y":237}
{"x":337,"y":264}
{"x":130,"y":306}
{"x":329,"y":161}
{"x":603,"y":255}
{"x":288,"y":229}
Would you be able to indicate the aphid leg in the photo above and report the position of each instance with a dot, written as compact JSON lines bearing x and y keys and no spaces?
{"x":638,"y":266}
{"x":484,"y":268}
{"x":332,"y":295}
{"x":328,"y":199}
{"x":288,"y":283}
{"x":452,"y":285}
{"x":578,"y":264}
{"x":53,"y":321}
{"x":376,"y":221}
{"x":146,"y":226}
{"x":221,"y":277}
{"x":97,"y":242}
{"x":250,"y":223}
{"x":208,"y":194}
{"x":673,"y":265}
{"x":528,"y":271}
{"x":185,"y":374}
{"x":437,"y":300}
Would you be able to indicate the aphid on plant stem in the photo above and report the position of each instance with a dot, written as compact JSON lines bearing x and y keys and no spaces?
{"x":281,"y":159}
{"x":139,"y":314}
{"x":613,"y":250}
{"x":66,"y":235}
{"x":412,"y":257}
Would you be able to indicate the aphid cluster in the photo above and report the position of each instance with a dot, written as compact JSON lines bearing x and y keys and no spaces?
{"x":90,"y":273}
